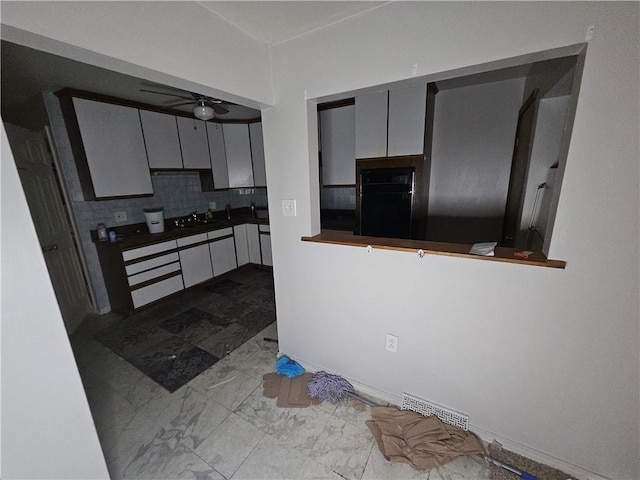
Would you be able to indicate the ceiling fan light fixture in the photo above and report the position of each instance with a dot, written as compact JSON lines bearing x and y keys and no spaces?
{"x":203,"y":112}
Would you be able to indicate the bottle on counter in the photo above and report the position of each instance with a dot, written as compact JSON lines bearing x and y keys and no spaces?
{"x":102,"y":232}
{"x":112,"y":236}
{"x":253,"y":209}
{"x":228,"y":210}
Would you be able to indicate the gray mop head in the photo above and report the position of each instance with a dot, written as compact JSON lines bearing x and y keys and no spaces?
{"x":329,"y":388}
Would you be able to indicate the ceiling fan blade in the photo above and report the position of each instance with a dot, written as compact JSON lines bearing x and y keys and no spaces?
{"x":179,"y":104}
{"x":219,"y":109}
{"x":164,"y":93}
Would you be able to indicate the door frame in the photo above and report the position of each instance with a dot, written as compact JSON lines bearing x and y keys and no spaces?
{"x":50,"y":141}
{"x":520,"y":161}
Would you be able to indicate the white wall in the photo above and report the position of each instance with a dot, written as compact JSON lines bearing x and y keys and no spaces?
{"x":544,"y":360}
{"x":47,"y":428}
{"x":175,"y":43}
{"x":473,"y":133}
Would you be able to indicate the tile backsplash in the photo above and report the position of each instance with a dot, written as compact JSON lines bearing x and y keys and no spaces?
{"x":178,"y":193}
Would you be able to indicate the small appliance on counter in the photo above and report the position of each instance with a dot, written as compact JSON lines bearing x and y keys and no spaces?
{"x":155,"y":219}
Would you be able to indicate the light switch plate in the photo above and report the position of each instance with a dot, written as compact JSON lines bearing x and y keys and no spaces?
{"x":288,"y":208}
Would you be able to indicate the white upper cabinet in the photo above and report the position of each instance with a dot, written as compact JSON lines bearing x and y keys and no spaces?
{"x":238,"y":149}
{"x":193,"y":143}
{"x":218,"y":155}
{"x":161,"y":139}
{"x":407,"y":112}
{"x":114,"y":147}
{"x":371,"y":125}
{"x":257,"y":154}
{"x":337,"y":132}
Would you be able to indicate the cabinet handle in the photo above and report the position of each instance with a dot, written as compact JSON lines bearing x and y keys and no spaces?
{"x":50,"y":248}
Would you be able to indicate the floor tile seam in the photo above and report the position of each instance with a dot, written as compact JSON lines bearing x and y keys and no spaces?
{"x":211,"y":466}
{"x":338,"y":473}
{"x":264,"y":434}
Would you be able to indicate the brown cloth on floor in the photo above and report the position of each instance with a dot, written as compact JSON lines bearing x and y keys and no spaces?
{"x":290,"y":392}
{"x":423,"y":442}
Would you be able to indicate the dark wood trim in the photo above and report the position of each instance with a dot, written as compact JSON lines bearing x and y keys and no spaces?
{"x":147,"y":257}
{"x":155,"y":280}
{"x":217,"y":239}
{"x":72,"y":92}
{"x":347,"y":185}
{"x":502,"y":254}
{"x":192,"y":245}
{"x":423,"y":201}
{"x":345,"y":102}
{"x":155,"y":267}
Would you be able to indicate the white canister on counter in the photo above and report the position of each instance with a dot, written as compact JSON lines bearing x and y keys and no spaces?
{"x":155,"y":219}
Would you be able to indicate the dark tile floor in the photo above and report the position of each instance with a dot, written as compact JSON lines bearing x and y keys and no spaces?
{"x":175,"y":340}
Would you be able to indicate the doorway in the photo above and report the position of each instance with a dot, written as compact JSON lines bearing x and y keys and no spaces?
{"x":37,"y":168}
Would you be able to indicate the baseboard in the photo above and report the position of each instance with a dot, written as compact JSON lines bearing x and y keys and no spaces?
{"x":577,"y":472}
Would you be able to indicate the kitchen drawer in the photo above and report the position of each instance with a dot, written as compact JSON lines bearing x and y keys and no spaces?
{"x":225,"y":232}
{"x":183,"y":242}
{"x":156,"y":291}
{"x":151,"y":263}
{"x":264,"y":228}
{"x":151,"y":274}
{"x":149,"y":250}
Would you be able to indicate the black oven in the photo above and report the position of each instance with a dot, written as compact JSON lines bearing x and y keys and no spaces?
{"x":386,"y":201}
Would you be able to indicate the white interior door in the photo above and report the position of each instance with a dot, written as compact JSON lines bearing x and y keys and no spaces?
{"x":40,"y":184}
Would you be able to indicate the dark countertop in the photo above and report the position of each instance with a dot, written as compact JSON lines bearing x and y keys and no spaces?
{"x":137,"y":235}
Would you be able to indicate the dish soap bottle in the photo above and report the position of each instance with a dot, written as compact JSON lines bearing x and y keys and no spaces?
{"x":228,"y":209}
{"x":209,"y":215}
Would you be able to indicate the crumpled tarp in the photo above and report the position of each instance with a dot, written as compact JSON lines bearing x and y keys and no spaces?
{"x":423,"y":442}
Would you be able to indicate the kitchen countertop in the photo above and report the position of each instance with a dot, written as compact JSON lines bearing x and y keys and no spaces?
{"x":137,"y":235}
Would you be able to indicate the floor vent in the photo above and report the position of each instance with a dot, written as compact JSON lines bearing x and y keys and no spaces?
{"x":427,"y":408}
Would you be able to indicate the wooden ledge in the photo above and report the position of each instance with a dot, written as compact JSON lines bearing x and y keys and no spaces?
{"x":502,"y":254}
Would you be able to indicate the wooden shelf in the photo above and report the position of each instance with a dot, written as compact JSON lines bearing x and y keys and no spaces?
{"x":502,"y":254}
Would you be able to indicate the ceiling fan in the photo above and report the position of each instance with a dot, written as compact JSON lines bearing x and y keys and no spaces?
{"x":203,"y":107}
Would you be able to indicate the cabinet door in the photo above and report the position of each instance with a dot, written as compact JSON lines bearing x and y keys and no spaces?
{"x":265,"y":248}
{"x":196,"y":264}
{"x":161,"y":139}
{"x":371,"y":125}
{"x":257,"y":155}
{"x":242,"y":247}
{"x":223,"y":255}
{"x":337,"y":131}
{"x":218,"y":155}
{"x":407,"y":113}
{"x":193,"y":143}
{"x":114,"y":147}
{"x":238,"y":148}
{"x":253,"y":242}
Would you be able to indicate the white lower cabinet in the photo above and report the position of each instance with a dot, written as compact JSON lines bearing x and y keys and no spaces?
{"x":242,"y":248}
{"x":153,"y":272}
{"x":195,"y":260}
{"x":253,"y":242}
{"x":265,"y":245}
{"x":156,"y":291}
{"x":223,"y":251}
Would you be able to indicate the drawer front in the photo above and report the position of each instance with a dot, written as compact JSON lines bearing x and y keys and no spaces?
{"x":148,"y":250}
{"x":151,"y":274}
{"x":264,"y":228}
{"x":225,"y":232}
{"x":183,"y":242}
{"x":151,"y":263}
{"x":156,"y":291}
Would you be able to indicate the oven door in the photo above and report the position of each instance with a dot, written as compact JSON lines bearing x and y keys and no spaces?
{"x":386,"y":206}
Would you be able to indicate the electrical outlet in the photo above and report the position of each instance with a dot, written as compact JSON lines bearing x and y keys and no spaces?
{"x":288,"y":208}
{"x":391,"y":345}
{"x":120,"y":216}
{"x":212,"y":206}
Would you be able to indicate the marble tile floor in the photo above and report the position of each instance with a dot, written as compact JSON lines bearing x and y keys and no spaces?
{"x":220,"y":426}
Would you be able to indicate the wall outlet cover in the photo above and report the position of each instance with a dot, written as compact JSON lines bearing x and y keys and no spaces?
{"x":120,"y":216}
{"x":288,"y":208}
